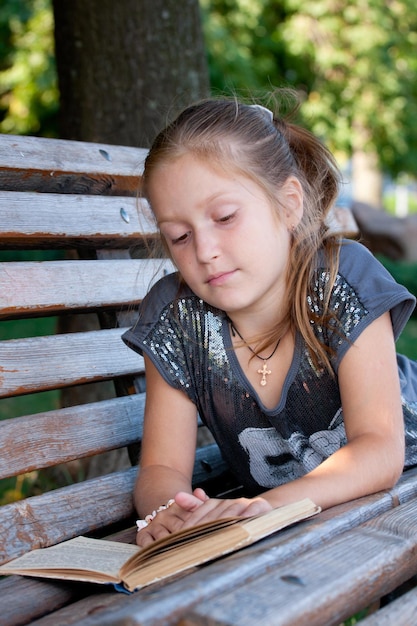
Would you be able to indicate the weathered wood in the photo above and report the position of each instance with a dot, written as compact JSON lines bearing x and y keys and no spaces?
{"x":175,"y":601}
{"x":314,"y":589}
{"x":56,"y":220}
{"x":61,"y":166}
{"x":30,"y":288}
{"x":400,"y":612}
{"x":46,"y":439}
{"x":58,"y":515}
{"x":391,"y":236}
{"x":325,"y":585}
{"x":33,"y":598}
{"x":42,"y":363}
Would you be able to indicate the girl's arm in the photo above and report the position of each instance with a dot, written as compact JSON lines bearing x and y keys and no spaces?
{"x":167,"y":454}
{"x":373,"y":458}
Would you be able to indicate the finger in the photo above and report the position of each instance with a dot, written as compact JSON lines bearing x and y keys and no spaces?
{"x":215,"y":509}
{"x":144,"y":538}
{"x":200,"y":494}
{"x":188,"y":501}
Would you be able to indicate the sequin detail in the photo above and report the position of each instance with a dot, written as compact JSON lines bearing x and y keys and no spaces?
{"x":344,"y":303}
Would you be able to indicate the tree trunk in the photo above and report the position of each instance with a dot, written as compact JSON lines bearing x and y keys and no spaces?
{"x":123,"y":67}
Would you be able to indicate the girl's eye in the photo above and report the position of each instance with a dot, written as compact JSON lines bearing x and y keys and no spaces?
{"x":226,"y":218}
{"x":180,"y":239}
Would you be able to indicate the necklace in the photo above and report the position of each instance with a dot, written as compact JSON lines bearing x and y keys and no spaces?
{"x":264,"y":371}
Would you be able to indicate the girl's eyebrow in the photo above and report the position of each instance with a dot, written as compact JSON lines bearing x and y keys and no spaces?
{"x":201,"y":204}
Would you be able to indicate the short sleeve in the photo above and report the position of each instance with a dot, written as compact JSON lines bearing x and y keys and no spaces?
{"x":363,"y":291}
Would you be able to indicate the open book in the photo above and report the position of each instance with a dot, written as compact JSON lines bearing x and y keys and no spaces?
{"x":130,"y":568}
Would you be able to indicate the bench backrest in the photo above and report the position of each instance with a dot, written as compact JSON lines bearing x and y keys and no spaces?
{"x":78,"y":200}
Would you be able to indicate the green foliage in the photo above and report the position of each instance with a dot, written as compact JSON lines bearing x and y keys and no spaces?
{"x":28,"y":84}
{"x":406,"y":274}
{"x":354,"y":62}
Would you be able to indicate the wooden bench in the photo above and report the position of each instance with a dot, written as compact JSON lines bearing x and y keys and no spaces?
{"x":79,"y":201}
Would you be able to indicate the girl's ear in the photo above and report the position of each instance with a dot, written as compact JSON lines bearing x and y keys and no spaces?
{"x":291,"y":195}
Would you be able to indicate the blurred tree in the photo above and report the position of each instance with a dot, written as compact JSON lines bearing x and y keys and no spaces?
{"x":123,"y":67}
{"x":364,"y":94}
{"x":354,"y":62}
{"x":28,"y":90}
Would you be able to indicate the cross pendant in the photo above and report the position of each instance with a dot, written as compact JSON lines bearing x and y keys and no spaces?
{"x":264,"y":371}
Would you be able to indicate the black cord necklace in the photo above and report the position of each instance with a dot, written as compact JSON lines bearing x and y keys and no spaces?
{"x":264,"y":371}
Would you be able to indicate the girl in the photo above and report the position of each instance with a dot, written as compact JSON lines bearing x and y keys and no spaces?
{"x":278,"y":333}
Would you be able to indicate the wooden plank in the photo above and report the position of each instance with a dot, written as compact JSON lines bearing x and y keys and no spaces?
{"x":43,"y":363}
{"x":49,"y":287}
{"x":400,"y":612}
{"x":58,"y":515}
{"x":78,"y":509}
{"x":99,"y":601}
{"x":208,"y":463}
{"x":62,"y":166}
{"x":168,"y":604}
{"x":53,"y":437}
{"x":33,"y":598}
{"x":57,"y":220}
{"x":165,"y":605}
{"x":47,"y":439}
{"x":328,"y":584}
{"x":25,"y":599}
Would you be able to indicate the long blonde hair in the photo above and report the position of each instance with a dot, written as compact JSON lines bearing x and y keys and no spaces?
{"x":268,"y":149}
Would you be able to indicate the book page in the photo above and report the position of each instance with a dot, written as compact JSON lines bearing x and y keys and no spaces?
{"x":76,"y":555}
{"x":184,"y":556}
{"x":235,"y":534}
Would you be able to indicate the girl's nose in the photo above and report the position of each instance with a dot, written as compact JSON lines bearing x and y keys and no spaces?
{"x":206,"y":247}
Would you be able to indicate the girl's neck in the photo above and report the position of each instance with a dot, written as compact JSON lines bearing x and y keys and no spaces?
{"x":254,"y":325}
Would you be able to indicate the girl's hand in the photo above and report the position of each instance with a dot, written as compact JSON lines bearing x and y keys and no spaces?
{"x":170,"y":519}
{"x":214,"y":508}
{"x":197,"y":508}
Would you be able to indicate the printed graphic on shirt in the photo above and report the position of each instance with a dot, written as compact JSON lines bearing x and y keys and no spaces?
{"x":274,"y":460}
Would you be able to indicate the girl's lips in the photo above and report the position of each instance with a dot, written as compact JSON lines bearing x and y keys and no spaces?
{"x":220,"y":278}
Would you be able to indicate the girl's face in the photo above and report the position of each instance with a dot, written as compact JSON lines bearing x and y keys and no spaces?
{"x":223,"y":233}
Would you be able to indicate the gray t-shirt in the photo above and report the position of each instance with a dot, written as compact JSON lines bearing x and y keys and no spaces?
{"x":189,"y":342}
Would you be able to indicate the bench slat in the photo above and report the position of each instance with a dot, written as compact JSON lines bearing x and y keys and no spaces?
{"x":34,"y":598}
{"x":173,"y":603}
{"x":325,"y":585}
{"x":173,"y":599}
{"x":49,"y":287}
{"x":400,"y":612}
{"x":53,"y":437}
{"x":53,"y":362}
{"x":55,"y":516}
{"x":62,"y":166}
{"x":56,"y":220}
